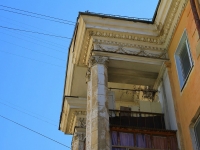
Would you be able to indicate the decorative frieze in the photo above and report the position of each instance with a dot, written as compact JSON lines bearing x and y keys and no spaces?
{"x":125,"y":36}
{"x":138,"y":52}
{"x":128,"y":45}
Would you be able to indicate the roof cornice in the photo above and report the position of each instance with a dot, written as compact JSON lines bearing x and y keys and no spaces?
{"x":155,"y":36}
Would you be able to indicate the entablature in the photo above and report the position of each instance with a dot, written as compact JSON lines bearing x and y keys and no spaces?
{"x":144,"y":36}
{"x":73,"y":114}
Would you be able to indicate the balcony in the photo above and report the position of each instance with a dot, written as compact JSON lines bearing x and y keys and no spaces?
{"x":136,"y":119}
{"x":131,"y":130}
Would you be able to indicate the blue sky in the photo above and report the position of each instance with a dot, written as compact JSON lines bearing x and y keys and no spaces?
{"x":33,"y":67}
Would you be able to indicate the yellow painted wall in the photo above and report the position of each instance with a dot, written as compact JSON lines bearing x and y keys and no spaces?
{"x":188,"y":101}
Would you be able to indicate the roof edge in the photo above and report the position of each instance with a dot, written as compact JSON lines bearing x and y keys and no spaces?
{"x":125,"y":18}
{"x":73,"y":38}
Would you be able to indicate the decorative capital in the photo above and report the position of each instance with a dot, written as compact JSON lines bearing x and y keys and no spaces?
{"x":98,"y":60}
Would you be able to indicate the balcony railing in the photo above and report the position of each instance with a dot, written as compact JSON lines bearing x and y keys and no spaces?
{"x":136,"y":119}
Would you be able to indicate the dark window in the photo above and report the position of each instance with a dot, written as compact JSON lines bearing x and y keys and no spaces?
{"x":183,"y":58}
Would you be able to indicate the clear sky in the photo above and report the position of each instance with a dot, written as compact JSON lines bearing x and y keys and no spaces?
{"x":33,"y":66}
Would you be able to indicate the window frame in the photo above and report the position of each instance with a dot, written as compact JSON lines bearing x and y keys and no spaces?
{"x":183,"y":41}
{"x":195,"y":133}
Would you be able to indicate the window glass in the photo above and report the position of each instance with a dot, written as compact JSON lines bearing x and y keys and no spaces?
{"x":183,"y":60}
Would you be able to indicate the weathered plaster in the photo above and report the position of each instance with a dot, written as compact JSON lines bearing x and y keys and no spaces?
{"x":97,"y":127}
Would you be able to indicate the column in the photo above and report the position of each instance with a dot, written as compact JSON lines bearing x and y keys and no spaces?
{"x":88,"y":116}
{"x":180,"y":137}
{"x":78,"y":139}
{"x":97,"y":126}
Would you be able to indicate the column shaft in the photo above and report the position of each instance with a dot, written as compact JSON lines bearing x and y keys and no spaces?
{"x":97,"y":130}
{"x":78,"y":141}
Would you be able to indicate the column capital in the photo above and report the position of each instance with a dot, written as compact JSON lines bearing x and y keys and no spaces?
{"x":98,"y":60}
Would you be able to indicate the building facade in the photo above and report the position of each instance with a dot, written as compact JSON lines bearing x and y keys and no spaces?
{"x":133,"y":83}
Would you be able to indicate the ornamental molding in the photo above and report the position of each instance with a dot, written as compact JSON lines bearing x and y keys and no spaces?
{"x":138,"y":52}
{"x":129,"y":45}
{"x":98,"y":60}
{"x":173,"y":20}
{"x":150,"y":39}
{"x":86,"y":45}
{"x":161,"y":42}
{"x":125,"y":36}
{"x":72,"y":122}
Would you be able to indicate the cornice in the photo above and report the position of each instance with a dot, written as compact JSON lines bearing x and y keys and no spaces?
{"x":160,"y":42}
{"x":125,"y":36}
{"x":176,"y":18}
{"x":145,"y":38}
{"x":73,"y":107}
